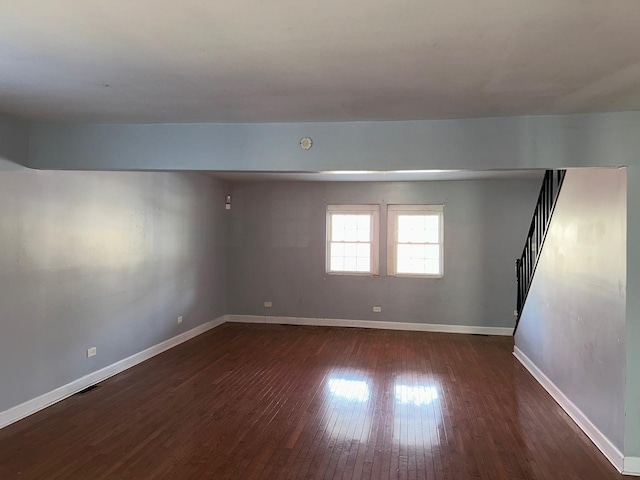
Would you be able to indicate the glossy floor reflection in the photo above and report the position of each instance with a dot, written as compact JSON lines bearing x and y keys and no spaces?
{"x":283,"y":402}
{"x":347,"y":412}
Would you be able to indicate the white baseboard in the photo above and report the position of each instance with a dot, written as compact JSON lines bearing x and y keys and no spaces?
{"x":230,"y":318}
{"x":336,"y":322}
{"x":43,"y":401}
{"x":631,"y":466}
{"x":608,"y":449}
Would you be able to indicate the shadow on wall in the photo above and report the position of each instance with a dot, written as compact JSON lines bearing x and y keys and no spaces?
{"x":105,"y":259}
{"x":9,"y":166}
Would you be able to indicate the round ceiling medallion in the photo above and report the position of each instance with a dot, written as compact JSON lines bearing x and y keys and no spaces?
{"x":306,"y":143}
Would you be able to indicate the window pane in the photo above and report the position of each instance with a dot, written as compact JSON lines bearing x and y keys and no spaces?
{"x":350,"y":228}
{"x":364,"y":234}
{"x":432,"y":252}
{"x":337,"y":249}
{"x":350,"y":264}
{"x":418,"y":228}
{"x":346,"y":228}
{"x":337,"y":264}
{"x":350,"y":257}
{"x":432,"y":267}
{"x":337,"y":228}
{"x":350,"y":249}
{"x":363,"y":264}
{"x":418,"y":252}
{"x":364,"y":257}
{"x":404,"y":259}
{"x":364,"y":228}
{"x":404,"y":251}
{"x":432,"y":236}
{"x":416,"y":267}
{"x":403,"y":265}
{"x":431,"y":222}
{"x":418,"y":259}
{"x":409,"y":228}
{"x":410,"y":252}
{"x":363,"y":250}
{"x":363,"y":225}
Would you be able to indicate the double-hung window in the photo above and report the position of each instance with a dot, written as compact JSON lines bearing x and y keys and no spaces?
{"x":415,"y":240}
{"x":352,"y":239}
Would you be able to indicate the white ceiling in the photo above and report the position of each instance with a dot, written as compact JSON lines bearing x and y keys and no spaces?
{"x":310,"y":60}
{"x":371,"y":176}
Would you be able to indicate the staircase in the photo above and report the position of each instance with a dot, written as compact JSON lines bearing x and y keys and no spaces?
{"x":526,"y":264}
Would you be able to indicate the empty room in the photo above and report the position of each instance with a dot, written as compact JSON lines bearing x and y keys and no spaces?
{"x":284,"y":240}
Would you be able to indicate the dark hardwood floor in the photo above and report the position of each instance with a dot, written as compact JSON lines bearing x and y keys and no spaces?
{"x":284,"y":402}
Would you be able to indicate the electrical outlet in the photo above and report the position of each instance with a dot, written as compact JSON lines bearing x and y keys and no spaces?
{"x":92,"y":352}
{"x":377,"y":309}
{"x":268,"y":304}
{"x":180,"y":319}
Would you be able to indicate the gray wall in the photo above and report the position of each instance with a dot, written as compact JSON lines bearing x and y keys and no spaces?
{"x":278,"y":252}
{"x":573,"y":324}
{"x":14,"y":141}
{"x":632,"y":326}
{"x":101,"y":259}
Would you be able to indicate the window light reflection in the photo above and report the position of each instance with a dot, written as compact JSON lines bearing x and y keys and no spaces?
{"x":349,"y":390}
{"x":417,"y":395}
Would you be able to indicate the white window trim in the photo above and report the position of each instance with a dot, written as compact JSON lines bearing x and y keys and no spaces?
{"x":392,"y":235}
{"x":374,"y":210}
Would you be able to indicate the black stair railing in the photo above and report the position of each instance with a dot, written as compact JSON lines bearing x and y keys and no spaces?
{"x":526,"y":264}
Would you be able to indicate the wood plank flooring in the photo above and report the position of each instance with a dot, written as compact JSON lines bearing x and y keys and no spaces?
{"x":284,"y":402}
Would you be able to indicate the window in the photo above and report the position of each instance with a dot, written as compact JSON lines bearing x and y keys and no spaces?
{"x":414,"y":240}
{"x":352,"y":239}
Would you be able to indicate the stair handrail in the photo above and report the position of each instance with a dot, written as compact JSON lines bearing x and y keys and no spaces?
{"x":528,"y":261}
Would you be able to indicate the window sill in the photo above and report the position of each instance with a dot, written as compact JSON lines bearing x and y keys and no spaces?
{"x":353,"y":274}
{"x":409,"y":275}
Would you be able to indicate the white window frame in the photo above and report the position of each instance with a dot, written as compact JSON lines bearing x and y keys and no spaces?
{"x":392,"y":236}
{"x":374,"y":211}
